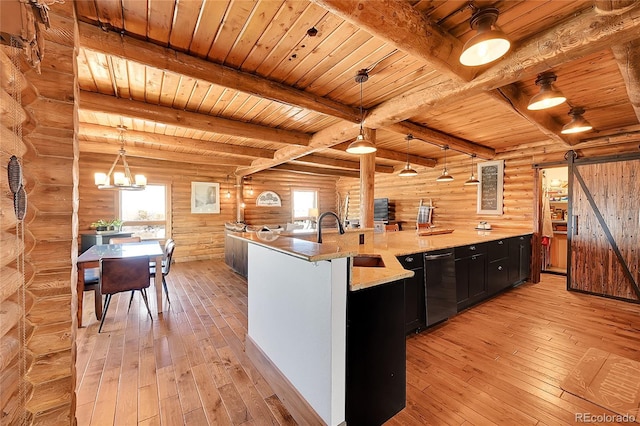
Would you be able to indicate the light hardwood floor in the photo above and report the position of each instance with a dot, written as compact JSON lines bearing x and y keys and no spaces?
{"x":500,"y":362}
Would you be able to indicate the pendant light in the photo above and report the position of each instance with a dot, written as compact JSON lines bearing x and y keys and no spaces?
{"x":489,"y":43}
{"x":361,"y":145}
{"x":121,"y":180}
{"x":445,"y":176}
{"x":228,"y":194}
{"x":548,"y":96}
{"x":577,"y":124}
{"x":472,"y":179}
{"x":408,"y":171}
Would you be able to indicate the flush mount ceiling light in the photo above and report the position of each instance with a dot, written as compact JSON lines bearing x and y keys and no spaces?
{"x":548,"y":96}
{"x":488,"y":44}
{"x":407,"y":171}
{"x":121,"y":180}
{"x":361,"y":145}
{"x":577,"y":124}
{"x":472,"y":179}
{"x":445,"y":176}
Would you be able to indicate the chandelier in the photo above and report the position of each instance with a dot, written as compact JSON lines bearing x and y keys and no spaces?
{"x":121,"y":180}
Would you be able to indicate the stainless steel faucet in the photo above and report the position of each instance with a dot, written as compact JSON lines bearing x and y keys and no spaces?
{"x":320,"y":224}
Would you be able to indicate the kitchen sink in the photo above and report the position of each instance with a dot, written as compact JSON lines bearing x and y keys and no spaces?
{"x":368,"y":261}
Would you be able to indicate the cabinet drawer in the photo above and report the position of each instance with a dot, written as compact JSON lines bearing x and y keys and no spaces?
{"x":497,"y":249}
{"x":411,"y":261}
{"x":470,"y":250}
{"x":497,"y":276}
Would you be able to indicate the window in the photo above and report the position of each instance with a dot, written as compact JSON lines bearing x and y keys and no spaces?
{"x":146,"y":213}
{"x":303,"y":201}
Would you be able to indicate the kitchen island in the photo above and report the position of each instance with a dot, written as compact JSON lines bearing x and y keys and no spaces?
{"x":299,"y":292}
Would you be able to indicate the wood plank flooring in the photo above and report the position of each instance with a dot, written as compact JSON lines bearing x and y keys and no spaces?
{"x":500,"y":362}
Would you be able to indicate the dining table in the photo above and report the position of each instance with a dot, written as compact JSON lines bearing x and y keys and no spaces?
{"x":91,"y":259}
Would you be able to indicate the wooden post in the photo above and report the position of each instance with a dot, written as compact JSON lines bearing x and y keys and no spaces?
{"x":367,"y":181}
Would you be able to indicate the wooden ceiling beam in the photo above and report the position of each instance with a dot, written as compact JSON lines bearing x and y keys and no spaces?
{"x":628,"y":59}
{"x":406,"y":29}
{"x":162,"y":58}
{"x":588,"y":32}
{"x":439,"y":138}
{"x":340,"y":163}
{"x":172,"y":142}
{"x":111,"y":150}
{"x":124,"y":107}
{"x":297,"y":168}
{"x":388,"y":154}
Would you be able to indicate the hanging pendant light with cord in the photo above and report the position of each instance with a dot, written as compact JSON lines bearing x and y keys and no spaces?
{"x":228,"y":195}
{"x":121,"y":180}
{"x":472,"y":179}
{"x":489,"y":43}
{"x":548,"y":96}
{"x":407,"y":171}
{"x":361,"y":145}
{"x":577,"y":124}
{"x":445,"y":176}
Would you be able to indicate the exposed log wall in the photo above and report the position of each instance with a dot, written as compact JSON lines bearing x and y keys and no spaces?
{"x":47,"y":104}
{"x":283,"y":183}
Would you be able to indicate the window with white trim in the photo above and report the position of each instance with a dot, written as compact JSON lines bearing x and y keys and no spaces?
{"x":303,"y":204}
{"x":146,"y":213}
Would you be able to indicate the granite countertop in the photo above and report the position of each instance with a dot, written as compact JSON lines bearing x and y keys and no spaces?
{"x":387,"y":245}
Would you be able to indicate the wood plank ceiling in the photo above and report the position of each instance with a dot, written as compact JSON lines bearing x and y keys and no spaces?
{"x":246,"y":84}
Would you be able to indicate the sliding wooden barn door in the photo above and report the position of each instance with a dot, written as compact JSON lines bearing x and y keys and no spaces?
{"x":604,"y":226}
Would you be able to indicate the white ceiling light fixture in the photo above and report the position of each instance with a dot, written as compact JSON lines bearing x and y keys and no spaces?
{"x":577,"y":124}
{"x":489,"y":43}
{"x":472,"y":179}
{"x":407,"y":171}
{"x":445,"y":176}
{"x":121,"y":180}
{"x":548,"y":96}
{"x":361,"y":145}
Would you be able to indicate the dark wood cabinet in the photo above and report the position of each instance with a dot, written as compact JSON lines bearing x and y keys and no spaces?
{"x":236,"y":253}
{"x":471,"y":272}
{"x":498,"y":266}
{"x":414,"y":293}
{"x":519,"y":259}
{"x":89,"y":239}
{"x":376,"y":354}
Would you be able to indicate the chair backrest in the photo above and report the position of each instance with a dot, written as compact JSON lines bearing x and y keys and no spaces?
{"x":423,"y":226}
{"x":392,"y":228}
{"x":166,"y":244}
{"x":123,"y":240}
{"x":166,"y":265}
{"x":123,"y":274}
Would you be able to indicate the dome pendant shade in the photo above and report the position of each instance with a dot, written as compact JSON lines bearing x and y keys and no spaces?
{"x":548,"y":96}
{"x":472,"y":180}
{"x":577,"y":124}
{"x":445,"y":176}
{"x":408,"y":171}
{"x":488,"y":44}
{"x":361,"y":146}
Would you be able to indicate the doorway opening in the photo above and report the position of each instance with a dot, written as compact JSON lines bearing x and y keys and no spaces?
{"x":555,"y":203}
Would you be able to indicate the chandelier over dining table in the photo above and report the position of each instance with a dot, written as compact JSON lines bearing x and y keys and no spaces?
{"x":123,"y":180}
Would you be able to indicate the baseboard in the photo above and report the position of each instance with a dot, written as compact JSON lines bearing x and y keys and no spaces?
{"x":298,"y":407}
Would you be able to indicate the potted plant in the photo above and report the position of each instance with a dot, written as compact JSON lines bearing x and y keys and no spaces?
{"x":100,"y":225}
{"x":116,"y":224}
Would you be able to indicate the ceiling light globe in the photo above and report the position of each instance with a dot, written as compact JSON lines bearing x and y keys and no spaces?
{"x":407,"y":171}
{"x":577,"y":124}
{"x":547,"y":98}
{"x":484,"y":48}
{"x":361,"y":146}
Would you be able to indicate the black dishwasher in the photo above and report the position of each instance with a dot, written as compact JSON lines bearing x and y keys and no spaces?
{"x":440,"y":292}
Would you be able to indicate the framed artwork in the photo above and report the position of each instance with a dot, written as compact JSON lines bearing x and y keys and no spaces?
{"x":205,"y":197}
{"x":268,"y":199}
{"x":490,"y":190}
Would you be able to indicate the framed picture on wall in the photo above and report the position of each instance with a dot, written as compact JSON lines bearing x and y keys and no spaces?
{"x":205,"y":197}
{"x":490,"y":190}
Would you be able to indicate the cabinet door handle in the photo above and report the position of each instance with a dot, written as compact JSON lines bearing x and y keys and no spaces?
{"x":472,"y":247}
{"x":499,"y":267}
{"x":500,"y":242}
{"x":408,"y":259}
{"x":437,"y":256}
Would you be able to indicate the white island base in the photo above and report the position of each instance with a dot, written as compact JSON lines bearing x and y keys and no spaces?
{"x":297,"y":331}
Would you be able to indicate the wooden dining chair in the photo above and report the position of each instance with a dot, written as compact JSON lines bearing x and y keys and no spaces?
{"x":92,"y":283}
{"x":166,"y":267}
{"x":392,"y":228}
{"x":124,"y":274}
{"x":124,"y":240}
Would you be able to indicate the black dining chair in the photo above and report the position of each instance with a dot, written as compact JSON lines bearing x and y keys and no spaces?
{"x":166,"y":266}
{"x":124,"y":274}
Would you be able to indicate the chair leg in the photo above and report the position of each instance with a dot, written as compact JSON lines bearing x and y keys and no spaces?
{"x":104,"y":314}
{"x":164,"y":284}
{"x":146,"y":301}
{"x":130,"y":300}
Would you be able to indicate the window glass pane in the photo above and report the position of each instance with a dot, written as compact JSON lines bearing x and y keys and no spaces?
{"x":302,"y":202}
{"x":147,"y":232}
{"x":148,"y":204}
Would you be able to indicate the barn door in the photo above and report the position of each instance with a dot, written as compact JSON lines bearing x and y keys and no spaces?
{"x":604,"y":226}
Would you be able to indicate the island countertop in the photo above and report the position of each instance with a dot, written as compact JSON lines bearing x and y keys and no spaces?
{"x":388,"y":245}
